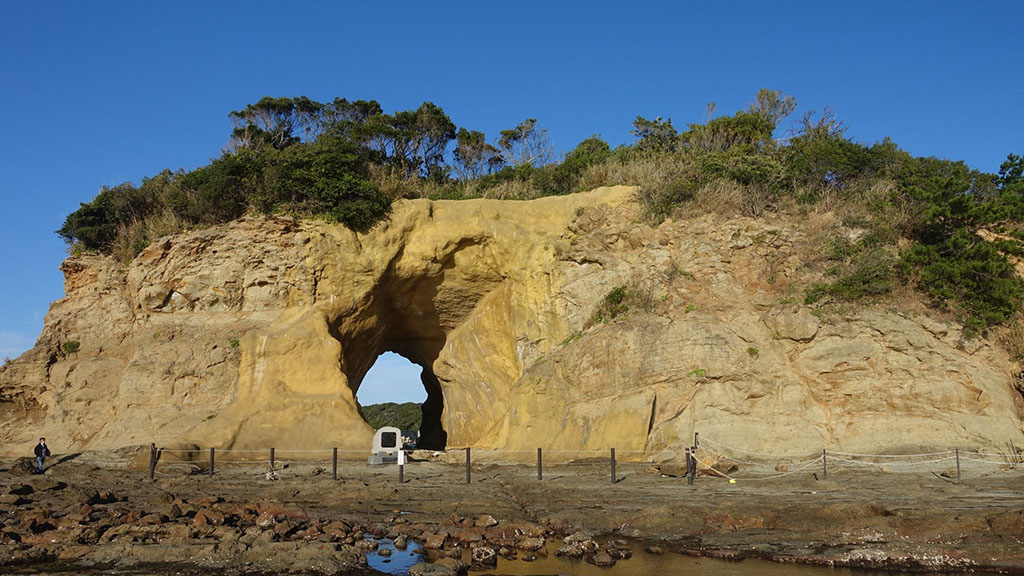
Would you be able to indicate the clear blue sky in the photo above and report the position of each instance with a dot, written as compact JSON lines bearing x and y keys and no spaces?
{"x":97,"y":93}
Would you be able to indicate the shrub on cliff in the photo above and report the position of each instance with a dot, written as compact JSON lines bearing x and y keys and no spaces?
{"x":347,"y":160}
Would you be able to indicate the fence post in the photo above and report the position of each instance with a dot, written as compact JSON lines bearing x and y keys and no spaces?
{"x":469,"y":469}
{"x":401,"y":466}
{"x":696,"y":440}
{"x":824,"y":463}
{"x":958,"y":466}
{"x":152,"y":461}
{"x":334,"y":459}
{"x":613,"y":465}
{"x":272,"y":459}
{"x":691,"y":466}
{"x":211,"y":462}
{"x":540,"y":464}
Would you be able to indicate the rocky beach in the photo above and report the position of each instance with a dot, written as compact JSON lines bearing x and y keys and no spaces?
{"x":86,"y":514}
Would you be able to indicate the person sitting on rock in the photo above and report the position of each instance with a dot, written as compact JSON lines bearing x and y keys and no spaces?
{"x":42,"y":453}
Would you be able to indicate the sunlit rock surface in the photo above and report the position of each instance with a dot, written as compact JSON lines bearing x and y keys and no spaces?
{"x":257,"y":334}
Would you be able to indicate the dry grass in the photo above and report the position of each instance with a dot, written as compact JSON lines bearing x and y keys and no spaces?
{"x":394,"y":184}
{"x":1011,"y":338}
{"x":512,"y":190}
{"x":662,"y":182}
{"x":722,"y":197}
{"x":1012,"y":454}
{"x":134,"y":237}
{"x":647,"y":173}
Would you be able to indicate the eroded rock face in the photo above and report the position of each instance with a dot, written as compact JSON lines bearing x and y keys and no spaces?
{"x":257,"y":334}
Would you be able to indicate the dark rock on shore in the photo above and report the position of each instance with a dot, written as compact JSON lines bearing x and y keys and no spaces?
{"x":428,"y":569}
{"x":601,"y":559}
{"x":484,"y":558}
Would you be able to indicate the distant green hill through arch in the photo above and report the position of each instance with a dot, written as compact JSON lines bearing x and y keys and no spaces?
{"x":391,"y":393}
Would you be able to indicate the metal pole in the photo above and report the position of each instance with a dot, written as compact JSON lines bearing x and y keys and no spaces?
{"x":272,"y":459}
{"x":401,"y":466}
{"x":958,"y":466}
{"x":152,"y":461}
{"x":613,"y":465}
{"x":334,"y":458}
{"x":469,"y":469}
{"x":824,"y":463}
{"x":211,"y":462}
{"x":540,"y":464}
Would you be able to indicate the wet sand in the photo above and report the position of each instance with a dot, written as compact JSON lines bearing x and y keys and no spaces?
{"x":865,"y":518}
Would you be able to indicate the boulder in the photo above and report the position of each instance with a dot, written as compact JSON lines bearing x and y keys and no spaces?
{"x":531,"y":544}
{"x":574,"y":550}
{"x":23,"y":467}
{"x":434,"y":541}
{"x":485,"y":521}
{"x":483,"y":558}
{"x":601,"y":559}
{"x":208,"y":517}
{"x":428,"y":569}
{"x":455,"y":564}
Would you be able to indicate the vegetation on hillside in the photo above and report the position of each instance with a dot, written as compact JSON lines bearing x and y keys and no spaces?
{"x":923,"y":218}
{"x":405,"y":416}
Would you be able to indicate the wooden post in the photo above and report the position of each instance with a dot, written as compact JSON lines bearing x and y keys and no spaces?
{"x":824,"y":463}
{"x":211,"y":462}
{"x":334,"y":458}
{"x":958,"y":466}
{"x":469,"y":469}
{"x":691,"y":466}
{"x":272,"y":459}
{"x":401,"y":466}
{"x":540,"y":463}
{"x":152,"y":461}
{"x":613,"y":465}
{"x":696,"y":440}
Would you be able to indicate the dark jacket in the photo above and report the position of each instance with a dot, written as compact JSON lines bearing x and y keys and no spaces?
{"x":42,"y":450}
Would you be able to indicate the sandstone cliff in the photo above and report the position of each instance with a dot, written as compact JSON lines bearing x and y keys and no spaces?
{"x":257,"y":334}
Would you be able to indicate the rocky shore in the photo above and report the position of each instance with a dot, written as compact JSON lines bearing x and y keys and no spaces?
{"x":82,"y":517}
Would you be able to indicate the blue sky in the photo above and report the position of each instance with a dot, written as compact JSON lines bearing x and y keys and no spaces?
{"x":97,"y":93}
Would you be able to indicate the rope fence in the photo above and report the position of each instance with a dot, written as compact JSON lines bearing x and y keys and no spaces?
{"x":706,"y":458}
{"x":833,"y":461}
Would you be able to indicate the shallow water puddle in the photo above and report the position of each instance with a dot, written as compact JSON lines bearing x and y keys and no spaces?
{"x":399,"y":562}
{"x":641,"y":564}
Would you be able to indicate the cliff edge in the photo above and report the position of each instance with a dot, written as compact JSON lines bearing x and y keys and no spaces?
{"x":563,"y":322}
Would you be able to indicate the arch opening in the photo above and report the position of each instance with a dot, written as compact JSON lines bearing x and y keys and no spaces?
{"x":401,"y":320}
{"x":390,"y":385}
{"x":411,"y":315}
{"x":392,"y":378}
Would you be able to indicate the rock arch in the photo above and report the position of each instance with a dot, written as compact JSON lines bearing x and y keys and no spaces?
{"x":257,"y":334}
{"x":456,"y":288}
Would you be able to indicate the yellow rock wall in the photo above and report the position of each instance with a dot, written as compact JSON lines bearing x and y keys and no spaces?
{"x":256,"y":334}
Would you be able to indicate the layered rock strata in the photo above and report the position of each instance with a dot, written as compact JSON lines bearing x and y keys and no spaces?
{"x":564,"y":322}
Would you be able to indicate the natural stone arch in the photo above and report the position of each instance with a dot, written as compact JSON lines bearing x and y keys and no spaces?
{"x":454,"y":287}
{"x":411,"y":314}
{"x":495,"y":297}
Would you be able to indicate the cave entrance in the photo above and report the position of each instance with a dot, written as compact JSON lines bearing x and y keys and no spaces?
{"x":398,"y":392}
{"x":409,"y":315}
